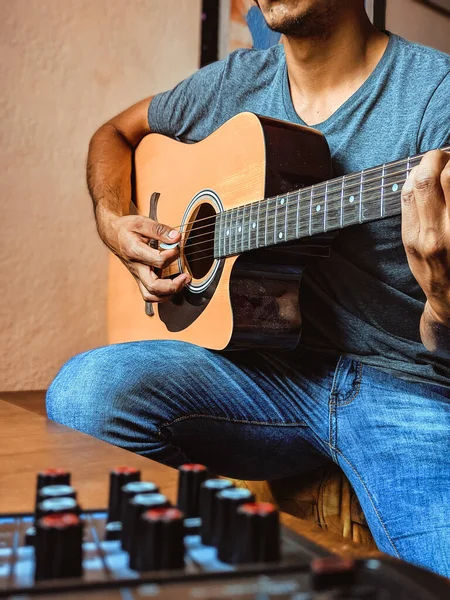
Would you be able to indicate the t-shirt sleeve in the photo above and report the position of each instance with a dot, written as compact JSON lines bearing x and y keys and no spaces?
{"x":434,"y":130}
{"x":188,"y":111}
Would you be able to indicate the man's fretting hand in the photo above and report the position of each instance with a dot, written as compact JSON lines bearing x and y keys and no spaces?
{"x":426,"y":237}
{"x":128,"y":238}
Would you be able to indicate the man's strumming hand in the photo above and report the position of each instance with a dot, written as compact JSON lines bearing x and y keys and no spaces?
{"x":426,"y":237}
{"x":128,"y":237}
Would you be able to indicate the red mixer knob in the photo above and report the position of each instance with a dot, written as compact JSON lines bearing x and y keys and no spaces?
{"x":332,"y":571}
{"x":58,"y":547}
{"x":136,"y":506}
{"x":257,"y":533}
{"x":160,"y":542}
{"x":190,"y":478}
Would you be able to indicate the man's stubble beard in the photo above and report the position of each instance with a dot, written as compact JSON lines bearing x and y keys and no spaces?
{"x":313,"y":23}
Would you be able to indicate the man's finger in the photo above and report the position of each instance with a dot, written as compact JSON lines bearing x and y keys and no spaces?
{"x":148,"y":296}
{"x":138,"y":251}
{"x":410,"y":218}
{"x":153,"y":230}
{"x":161,"y":287}
{"x":428,"y":193}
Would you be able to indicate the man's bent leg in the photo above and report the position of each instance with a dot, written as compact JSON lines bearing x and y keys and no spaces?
{"x":240,"y":413}
{"x":392,"y":439}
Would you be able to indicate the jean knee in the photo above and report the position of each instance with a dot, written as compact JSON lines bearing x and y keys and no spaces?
{"x":74,"y":398}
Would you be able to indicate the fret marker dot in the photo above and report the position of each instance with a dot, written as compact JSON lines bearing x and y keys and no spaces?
{"x":282,"y":201}
{"x":280,"y":235}
{"x":318,"y":208}
{"x":254,"y":225}
{"x":351,"y":199}
{"x":394,"y":187}
{"x":240,"y":229}
{"x":228,"y":232}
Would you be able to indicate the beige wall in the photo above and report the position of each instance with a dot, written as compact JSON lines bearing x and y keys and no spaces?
{"x":66,"y":67}
{"x":419,"y":23}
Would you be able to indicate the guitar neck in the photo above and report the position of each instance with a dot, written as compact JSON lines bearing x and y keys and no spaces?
{"x":362,"y":197}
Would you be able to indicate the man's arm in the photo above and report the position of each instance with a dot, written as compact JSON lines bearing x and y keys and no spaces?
{"x":109,"y":169}
{"x":426,"y":237}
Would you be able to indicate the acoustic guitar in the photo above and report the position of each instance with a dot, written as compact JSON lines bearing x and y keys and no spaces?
{"x":255,"y":204}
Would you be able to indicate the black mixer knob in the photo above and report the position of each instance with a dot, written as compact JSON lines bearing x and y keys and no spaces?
{"x":58,"y":547}
{"x":51,"y":477}
{"x":119,"y":477}
{"x":159,"y":542}
{"x":51,"y":492}
{"x":228,"y":501}
{"x":57,"y":506}
{"x":113,"y":529}
{"x":208,"y":508}
{"x":258,"y":530}
{"x":136,"y":506}
{"x":132,"y":489}
{"x":190,"y":478}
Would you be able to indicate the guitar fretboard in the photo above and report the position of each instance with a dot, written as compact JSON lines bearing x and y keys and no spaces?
{"x":348,"y":200}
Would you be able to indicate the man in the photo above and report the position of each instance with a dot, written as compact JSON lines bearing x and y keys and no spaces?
{"x":368,"y":386}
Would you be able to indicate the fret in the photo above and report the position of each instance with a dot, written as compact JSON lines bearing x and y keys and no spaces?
{"x":271,"y":221}
{"x":332,"y":216}
{"x":273,"y":237}
{"x":235,"y":227}
{"x":258,"y":224}
{"x":280,"y":225}
{"x":232,"y":228}
{"x":229,"y":231}
{"x":372,"y":195}
{"x":262,"y":223}
{"x":304,"y":220}
{"x":238,"y":230}
{"x":244,"y":228}
{"x":383,"y":177}
{"x":253,"y":226}
{"x":350,"y":204}
{"x":394,"y":178}
{"x":317,"y":209}
{"x":297,"y":215}
{"x":225,"y":232}
{"x":408,"y":166}
{"x":218,"y":236}
{"x":325,"y":208}
{"x":291,"y":217}
{"x":341,"y":212}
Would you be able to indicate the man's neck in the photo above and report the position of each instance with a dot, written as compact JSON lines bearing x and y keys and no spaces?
{"x":324,"y":72}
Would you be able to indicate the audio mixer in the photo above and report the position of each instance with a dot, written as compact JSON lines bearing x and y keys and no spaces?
{"x":216,"y":543}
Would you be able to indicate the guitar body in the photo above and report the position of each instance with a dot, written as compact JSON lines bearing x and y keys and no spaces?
{"x":242,"y":301}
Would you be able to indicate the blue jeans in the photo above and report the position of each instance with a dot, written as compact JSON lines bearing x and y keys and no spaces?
{"x":265,"y":416}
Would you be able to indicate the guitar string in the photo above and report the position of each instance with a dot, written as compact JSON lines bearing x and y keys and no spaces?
{"x":391,"y":203}
{"x":368,"y":200}
{"x":344,"y":179}
{"x":388,"y":205}
{"x":339,"y":181}
{"x":297,"y":196}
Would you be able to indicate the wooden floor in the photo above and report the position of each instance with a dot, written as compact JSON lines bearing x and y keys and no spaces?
{"x":33,"y":401}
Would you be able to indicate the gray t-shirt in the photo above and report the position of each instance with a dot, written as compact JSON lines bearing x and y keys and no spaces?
{"x":366,"y":302}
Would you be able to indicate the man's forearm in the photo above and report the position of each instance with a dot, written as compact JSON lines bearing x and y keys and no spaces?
{"x":109,"y":175}
{"x":435,"y":334}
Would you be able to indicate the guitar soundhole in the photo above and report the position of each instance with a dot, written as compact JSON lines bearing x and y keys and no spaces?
{"x":199,"y":244}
